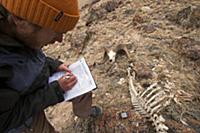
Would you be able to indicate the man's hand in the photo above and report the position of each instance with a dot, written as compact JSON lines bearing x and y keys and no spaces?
{"x":63,"y":67}
{"x":67,"y":81}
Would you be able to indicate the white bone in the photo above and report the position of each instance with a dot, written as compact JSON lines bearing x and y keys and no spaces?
{"x":152,"y":92}
{"x":148,"y":89}
{"x":155,"y":102}
{"x":149,"y":102}
{"x":112,"y":55}
{"x":154,"y":97}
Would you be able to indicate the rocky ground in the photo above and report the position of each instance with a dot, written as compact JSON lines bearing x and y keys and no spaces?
{"x":159,"y":39}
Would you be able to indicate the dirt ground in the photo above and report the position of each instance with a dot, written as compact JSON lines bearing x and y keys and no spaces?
{"x":162,"y":39}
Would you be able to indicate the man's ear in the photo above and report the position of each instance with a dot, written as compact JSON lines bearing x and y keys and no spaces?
{"x":21,"y":25}
{"x":15,"y":20}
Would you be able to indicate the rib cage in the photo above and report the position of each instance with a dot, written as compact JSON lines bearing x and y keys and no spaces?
{"x":149,"y":103}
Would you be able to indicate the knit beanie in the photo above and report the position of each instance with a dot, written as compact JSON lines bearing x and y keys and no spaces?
{"x":58,"y":15}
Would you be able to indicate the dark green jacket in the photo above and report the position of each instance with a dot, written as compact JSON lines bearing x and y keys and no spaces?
{"x":18,"y":106}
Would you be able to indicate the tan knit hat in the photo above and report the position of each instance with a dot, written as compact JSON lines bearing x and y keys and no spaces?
{"x":58,"y":15}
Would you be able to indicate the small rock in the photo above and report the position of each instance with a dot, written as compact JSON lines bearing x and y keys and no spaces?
{"x":135,"y":123}
{"x":137,"y":20}
{"x":189,"y":17}
{"x":188,"y":47}
{"x":108,"y":95}
{"x":184,"y":13}
{"x":80,"y":39}
{"x":194,"y":54}
{"x":195,"y":17}
{"x":146,"y":9}
{"x":110,"y":6}
{"x":121,"y":81}
{"x":93,"y":95}
{"x":120,"y":128}
{"x":146,"y":83}
{"x":149,"y":28}
{"x":144,"y":74}
{"x":129,"y":11}
{"x":95,"y":14}
{"x":77,"y":39}
{"x":75,"y":118}
{"x":123,"y":115}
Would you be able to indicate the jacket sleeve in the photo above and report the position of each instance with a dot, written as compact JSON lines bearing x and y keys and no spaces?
{"x":15,"y":109}
{"x":53,"y":64}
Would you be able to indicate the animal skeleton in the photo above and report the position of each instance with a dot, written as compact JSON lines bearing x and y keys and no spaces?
{"x":149,"y":103}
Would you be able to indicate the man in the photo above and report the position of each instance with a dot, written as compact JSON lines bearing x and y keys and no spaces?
{"x":25,"y":27}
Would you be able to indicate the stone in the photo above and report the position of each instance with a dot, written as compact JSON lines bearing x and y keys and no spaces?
{"x":188,"y":47}
{"x":143,"y":72}
{"x":189,"y":17}
{"x":150,"y":28}
{"x":137,"y":19}
{"x":121,"y":81}
{"x":129,"y":11}
{"x":146,"y":9}
{"x":184,"y":14}
{"x":123,"y":115}
{"x":95,"y":14}
{"x":195,"y":17}
{"x":110,"y":6}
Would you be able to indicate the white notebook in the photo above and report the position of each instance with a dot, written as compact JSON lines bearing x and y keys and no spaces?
{"x":85,"y":82}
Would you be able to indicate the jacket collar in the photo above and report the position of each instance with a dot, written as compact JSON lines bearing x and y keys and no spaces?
{"x":5,"y":40}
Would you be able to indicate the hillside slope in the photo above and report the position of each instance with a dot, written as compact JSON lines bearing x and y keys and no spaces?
{"x":159,"y":39}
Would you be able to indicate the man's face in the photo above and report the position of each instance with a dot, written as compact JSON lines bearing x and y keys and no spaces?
{"x":34,"y":36}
